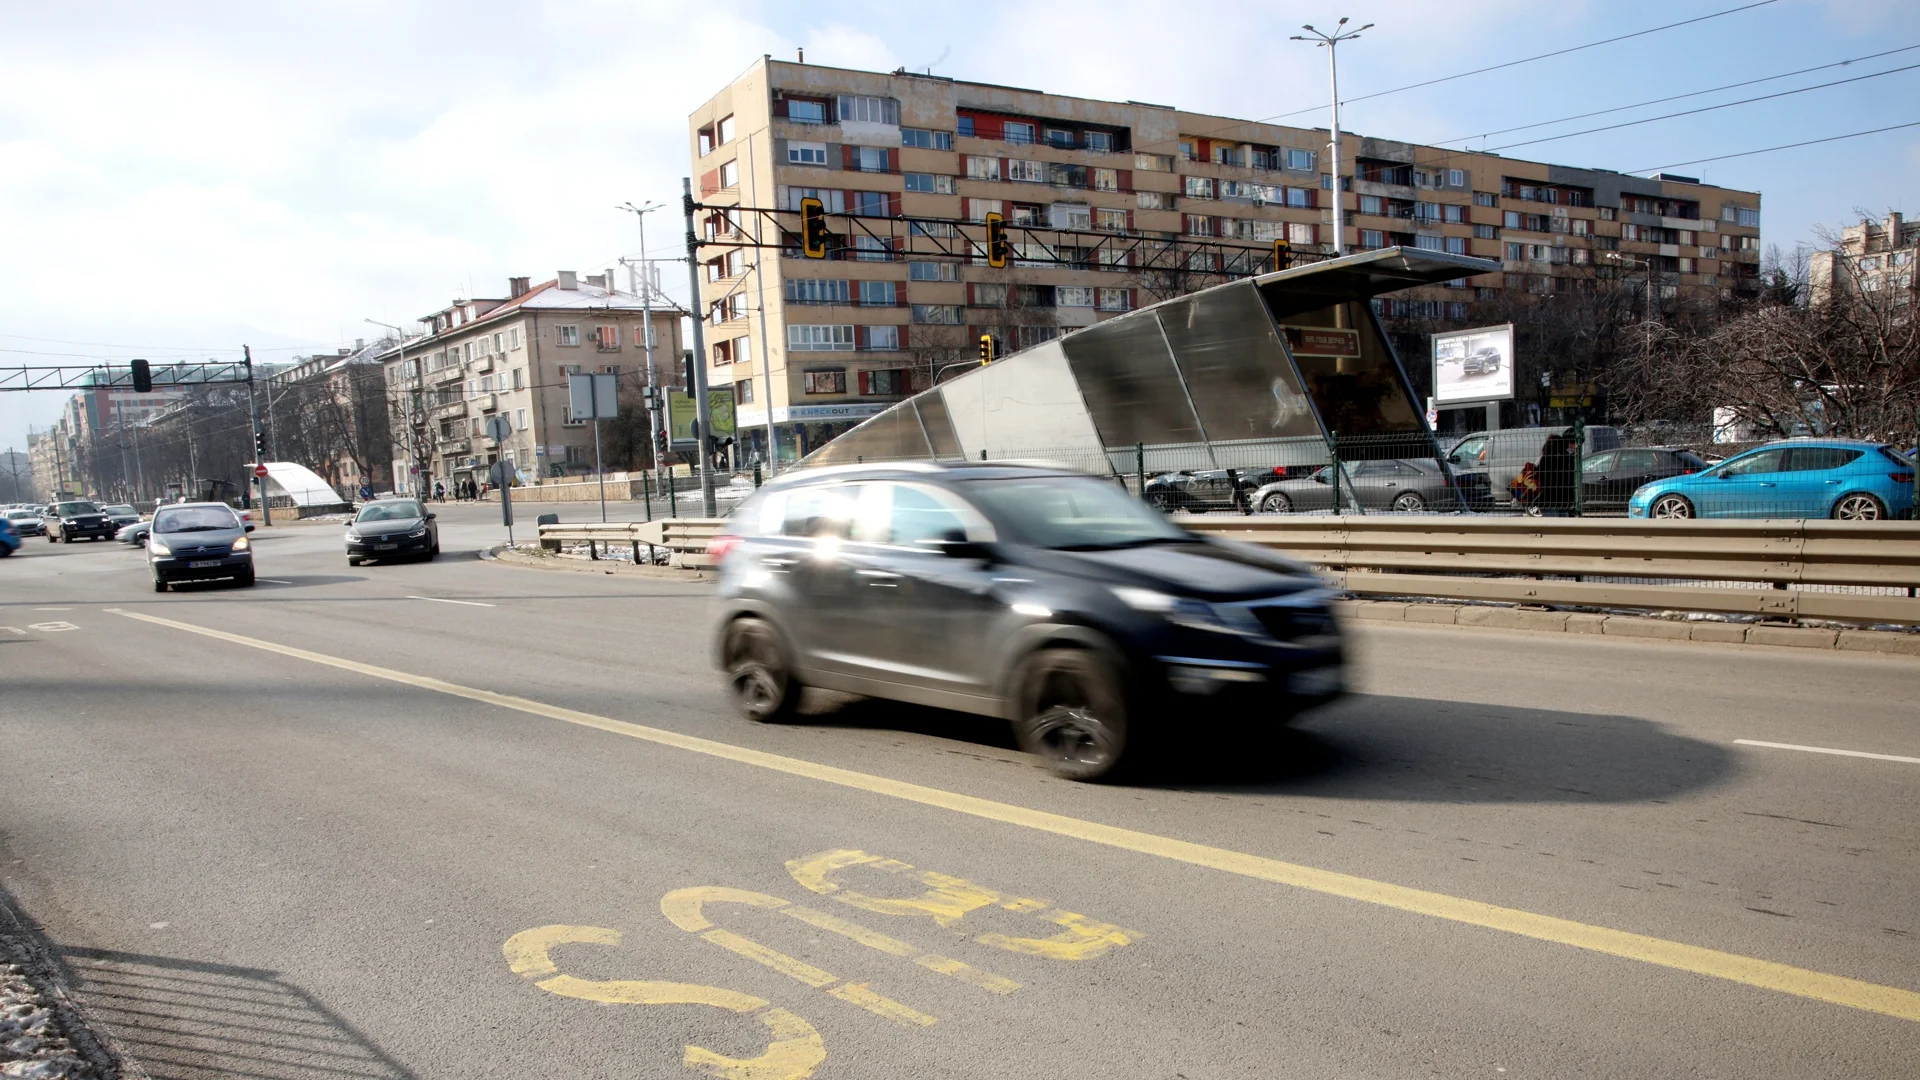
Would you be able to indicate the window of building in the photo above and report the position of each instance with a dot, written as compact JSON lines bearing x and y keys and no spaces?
{"x":1300,"y":235}
{"x":1326,"y":182}
{"x":930,"y":183}
{"x":988,"y":294}
{"x":730,"y":174}
{"x":1153,"y":200}
{"x":869,"y":159}
{"x":706,"y":140}
{"x":1227,"y":155}
{"x":1015,"y":131}
{"x":878,"y":293}
{"x":870,"y":204}
{"x":978,"y":209}
{"x":1199,"y":187}
{"x":1485,"y":198}
{"x":1060,"y":138}
{"x":1153,"y":162}
{"x":606,"y":338}
{"x":1748,"y":217}
{"x":926,"y":140}
{"x":1429,"y":243}
{"x":743,"y":392}
{"x":803,"y":337}
{"x":1106,"y":179}
{"x":816,"y":291}
{"x":965,"y":125}
{"x":885,"y":382}
{"x":1607,"y":213}
{"x":1300,"y":198}
{"x":1110,"y":220}
{"x":873,"y":249}
{"x":1485,"y":232}
{"x":1199,"y":225}
{"x":1456,"y":178}
{"x":1031,"y":172}
{"x":982,"y":168}
{"x":1114,"y":299}
{"x":1456,"y":245}
{"x":880,"y":338}
{"x":806,"y":153}
{"x":1099,"y":140}
{"x":933,"y":271}
{"x":567,"y":335}
{"x":1453,"y":214}
{"x":1372,"y":238}
{"x":826,"y":380}
{"x":1372,"y":204}
{"x":942,"y":314}
{"x":1076,"y":216}
{"x":859,"y":109}
{"x":832,"y":200}
{"x":1304,"y":160}
{"x":1073,"y":296}
{"x":806,"y":110}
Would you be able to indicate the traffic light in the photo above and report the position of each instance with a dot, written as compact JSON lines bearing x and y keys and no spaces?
{"x":686,"y":357}
{"x":142,"y":377}
{"x":986,"y":349}
{"x":813,"y":228}
{"x":996,"y":241}
{"x":259,"y":446}
{"x":1282,"y":251}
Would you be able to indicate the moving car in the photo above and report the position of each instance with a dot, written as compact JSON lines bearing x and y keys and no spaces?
{"x":1405,"y":484}
{"x":120,"y":515}
{"x":136,"y":533}
{"x":1800,"y":478}
{"x":1502,"y":455}
{"x":392,"y":529}
{"x":1100,"y":629}
{"x":9,"y":540}
{"x":1609,"y":479}
{"x":1201,"y":489}
{"x":199,"y":542}
{"x":26,"y":522}
{"x":75,"y":519}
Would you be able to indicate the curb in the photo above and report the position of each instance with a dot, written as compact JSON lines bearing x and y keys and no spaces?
{"x":1882,"y":642}
{"x":501,"y":555}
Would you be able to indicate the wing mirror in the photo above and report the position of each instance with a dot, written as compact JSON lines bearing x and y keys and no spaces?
{"x":249,"y":528}
{"x":964,"y":549}
{"x":429,"y":515}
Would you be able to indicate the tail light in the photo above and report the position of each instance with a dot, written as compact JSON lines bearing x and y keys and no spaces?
{"x":718,"y":547}
{"x":1902,"y":478}
{"x":1688,"y":472}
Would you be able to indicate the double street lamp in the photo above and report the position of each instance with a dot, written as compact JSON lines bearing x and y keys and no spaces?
{"x":1331,"y":43}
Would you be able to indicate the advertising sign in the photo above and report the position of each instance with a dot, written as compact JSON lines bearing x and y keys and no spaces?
{"x":594,"y":395}
{"x":681,"y":416}
{"x":1473,"y":366}
{"x":1321,"y":341}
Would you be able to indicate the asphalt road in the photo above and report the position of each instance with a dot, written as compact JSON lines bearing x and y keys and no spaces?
{"x":458,"y":819}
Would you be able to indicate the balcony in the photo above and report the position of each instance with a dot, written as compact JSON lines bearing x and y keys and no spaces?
{"x":483,"y":365}
{"x":442,"y":410}
{"x":448,"y":447}
{"x":484,"y":403}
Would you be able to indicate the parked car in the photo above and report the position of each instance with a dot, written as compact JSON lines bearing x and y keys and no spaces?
{"x":1502,"y":455}
{"x":75,"y":519}
{"x":199,"y":542}
{"x":120,"y":515}
{"x":1095,"y":625}
{"x":26,"y":522}
{"x":1799,"y":478}
{"x":1609,"y":479}
{"x":9,"y":540}
{"x":392,"y":529}
{"x":1405,"y":484}
{"x":136,"y":533}
{"x":1201,"y":489}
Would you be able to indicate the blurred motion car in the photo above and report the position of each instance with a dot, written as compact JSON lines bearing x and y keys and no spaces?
{"x":1845,"y":479}
{"x":1404,"y":484}
{"x":9,"y":540}
{"x":1200,"y":489}
{"x":1608,"y":480}
{"x":75,"y":519}
{"x":199,"y":542}
{"x":120,"y":515}
{"x":25,"y":521}
{"x":1102,"y":631}
{"x":136,"y":533}
{"x":392,"y":529}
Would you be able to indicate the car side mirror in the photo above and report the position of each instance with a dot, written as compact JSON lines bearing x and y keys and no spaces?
{"x":249,"y":528}
{"x":964,"y":549}
{"x":1319,"y":478}
{"x":429,"y":515}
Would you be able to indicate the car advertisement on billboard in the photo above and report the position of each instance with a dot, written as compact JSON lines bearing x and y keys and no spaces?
{"x":1473,"y":365}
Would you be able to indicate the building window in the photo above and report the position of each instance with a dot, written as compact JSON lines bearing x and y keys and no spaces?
{"x":870,"y":204}
{"x":982,"y":168}
{"x":878,"y":293}
{"x":1073,"y":296}
{"x":881,"y":339}
{"x":1485,"y":198}
{"x":978,"y":209}
{"x":943,"y":314}
{"x":725,"y":130}
{"x":887,"y":382}
{"x":1372,"y":238}
{"x":730,"y":174}
{"x":1485,"y":232}
{"x":926,"y":140}
{"x":806,"y":111}
{"x":1300,"y":198}
{"x":873,"y":249}
{"x":806,"y":153}
{"x":987,"y":294}
{"x":803,"y":337}
{"x":743,"y":392}
{"x":1304,"y":160}
{"x":1114,"y":299}
{"x":1748,"y":217}
{"x":1300,"y":235}
{"x":816,"y":291}
{"x":1453,"y":214}
{"x":870,"y":159}
{"x":1199,"y":187}
{"x":1153,"y":200}
{"x":1372,"y":204}
{"x":965,"y":125}
{"x":1606,"y":213}
{"x":1110,"y":220}
{"x":1106,"y":180}
{"x":933,"y":271}
{"x":858,"y":109}
{"x":567,"y":335}
{"x":1031,"y":172}
{"x":1099,"y":140}
{"x":606,"y":338}
{"x":1070,"y":216}
{"x":1016,"y":132}
{"x":1153,"y":162}
{"x":1456,"y":245}
{"x":827,"y":381}
{"x":1456,"y":178}
{"x":1199,"y":225}
{"x":930,"y":183}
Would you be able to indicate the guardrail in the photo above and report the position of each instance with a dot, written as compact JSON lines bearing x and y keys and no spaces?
{"x":1814,"y":569}
{"x":1842,"y":571}
{"x":684,"y":537}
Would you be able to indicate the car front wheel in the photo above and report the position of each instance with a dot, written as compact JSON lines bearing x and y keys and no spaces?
{"x":758,"y":672}
{"x":1859,"y":506}
{"x":1276,"y":503}
{"x":1072,"y":713}
{"x":1408,"y":502}
{"x":1671,"y":506}
{"x":159,"y":586}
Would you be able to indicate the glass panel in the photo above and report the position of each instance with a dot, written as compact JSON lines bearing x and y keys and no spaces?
{"x":939,"y":426}
{"x":893,"y":435}
{"x":1353,"y":377}
{"x":1242,"y":384}
{"x":1820,"y":458}
{"x":1129,"y":382}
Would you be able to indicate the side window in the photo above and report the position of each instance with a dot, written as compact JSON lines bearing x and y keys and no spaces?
{"x":1469,"y":452}
{"x":1819,"y":458}
{"x":1599,"y":463}
{"x":1764,"y":461}
{"x":823,"y":510}
{"x":918,"y":515}
{"x":1636,"y":461}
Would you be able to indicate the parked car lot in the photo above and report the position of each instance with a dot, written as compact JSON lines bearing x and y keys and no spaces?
{"x":1609,"y":479}
{"x":1057,"y":601}
{"x":1800,"y":478}
{"x":1502,"y":456}
{"x":1405,"y":484}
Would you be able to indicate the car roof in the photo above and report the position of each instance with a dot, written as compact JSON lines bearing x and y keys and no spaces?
{"x":924,"y":470}
{"x":177,"y":506}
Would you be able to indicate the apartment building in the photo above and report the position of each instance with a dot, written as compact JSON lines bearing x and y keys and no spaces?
{"x":1151,"y":201}
{"x":511,"y":357}
{"x":1875,"y":258}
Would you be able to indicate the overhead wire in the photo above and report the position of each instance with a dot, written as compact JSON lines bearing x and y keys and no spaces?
{"x":1771,"y":149}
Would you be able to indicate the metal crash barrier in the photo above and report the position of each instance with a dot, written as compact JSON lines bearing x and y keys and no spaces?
{"x":685,"y":538}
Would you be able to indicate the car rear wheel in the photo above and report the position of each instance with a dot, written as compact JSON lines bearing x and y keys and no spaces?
{"x":1859,"y":506}
{"x":1276,"y":503}
{"x":1408,"y":502}
{"x":1164,"y":501}
{"x":1671,"y":506}
{"x":759,"y":674}
{"x":1073,"y":713}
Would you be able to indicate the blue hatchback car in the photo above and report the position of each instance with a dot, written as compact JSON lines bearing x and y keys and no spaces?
{"x":1799,"y":478}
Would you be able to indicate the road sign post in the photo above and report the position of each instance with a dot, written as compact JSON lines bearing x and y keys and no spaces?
{"x":501,"y":475}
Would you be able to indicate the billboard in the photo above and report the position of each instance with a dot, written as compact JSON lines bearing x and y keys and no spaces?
{"x":681,"y":416}
{"x":1471,"y":366}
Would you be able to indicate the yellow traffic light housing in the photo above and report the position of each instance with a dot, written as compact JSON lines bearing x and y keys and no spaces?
{"x":1282,"y":252}
{"x":813,"y":228}
{"x":986,"y":349}
{"x":997,"y":245}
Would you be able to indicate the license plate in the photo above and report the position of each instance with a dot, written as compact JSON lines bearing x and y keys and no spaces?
{"x":385,"y":547}
{"x":203,"y":564}
{"x":1315,"y":682}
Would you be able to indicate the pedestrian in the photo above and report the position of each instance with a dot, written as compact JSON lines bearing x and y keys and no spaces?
{"x":439,"y":492}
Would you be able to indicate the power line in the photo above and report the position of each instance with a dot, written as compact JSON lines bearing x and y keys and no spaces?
{"x":1675,"y":97}
{"x":1771,"y":149}
{"x":1702,"y":109}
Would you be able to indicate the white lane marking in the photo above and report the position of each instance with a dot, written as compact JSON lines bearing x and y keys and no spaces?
{"x":53,"y":609}
{"x":51,"y":627}
{"x":1828,"y":750}
{"x":443,"y":600}
{"x":275,"y":581}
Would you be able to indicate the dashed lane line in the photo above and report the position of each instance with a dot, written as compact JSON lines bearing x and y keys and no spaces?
{"x":444,"y":600}
{"x":1751,"y":971}
{"x":1826,"y":750}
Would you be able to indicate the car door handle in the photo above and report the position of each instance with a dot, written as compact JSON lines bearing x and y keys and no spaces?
{"x":1830,"y":481}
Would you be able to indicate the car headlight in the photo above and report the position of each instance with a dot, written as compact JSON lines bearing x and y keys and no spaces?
{"x":1182,"y":611}
{"x":242,"y":544}
{"x":417,"y":533}
{"x":156,"y":547}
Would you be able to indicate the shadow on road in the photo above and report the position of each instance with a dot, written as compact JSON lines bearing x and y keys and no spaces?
{"x":180,"y":1018}
{"x":1384,"y":748}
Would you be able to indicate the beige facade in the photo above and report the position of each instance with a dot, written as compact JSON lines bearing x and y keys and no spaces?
{"x":511,"y":357}
{"x":1151,"y":201}
{"x":1874,"y":257}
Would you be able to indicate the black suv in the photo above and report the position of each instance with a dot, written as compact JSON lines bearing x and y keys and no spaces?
{"x":1055,"y":600}
{"x":76,"y":519}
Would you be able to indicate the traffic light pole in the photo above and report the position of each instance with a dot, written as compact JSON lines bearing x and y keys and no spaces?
{"x":701,"y":406}
{"x":253,"y":422}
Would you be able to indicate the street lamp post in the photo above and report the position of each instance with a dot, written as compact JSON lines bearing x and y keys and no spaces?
{"x":646,"y":306}
{"x":406,"y":406}
{"x":1331,"y":43}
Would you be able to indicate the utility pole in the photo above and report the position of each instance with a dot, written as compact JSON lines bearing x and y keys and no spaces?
{"x":760,"y":301}
{"x":644,"y":285}
{"x":702,"y":408}
{"x":253,"y":425}
{"x":1331,"y":43}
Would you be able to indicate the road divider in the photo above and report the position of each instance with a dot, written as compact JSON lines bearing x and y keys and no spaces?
{"x":1749,"y":971}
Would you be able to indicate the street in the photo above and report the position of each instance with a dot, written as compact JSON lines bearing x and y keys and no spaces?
{"x":460,"y":819}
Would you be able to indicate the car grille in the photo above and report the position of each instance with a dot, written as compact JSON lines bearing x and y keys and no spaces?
{"x":199,"y":551}
{"x":1294,"y":624}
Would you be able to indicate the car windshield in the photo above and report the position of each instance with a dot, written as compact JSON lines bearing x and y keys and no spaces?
{"x":194,"y":519}
{"x":121,"y":510}
{"x":69,"y":509}
{"x":403,"y":510}
{"x":1071,"y":513}
{"x":19,"y":514}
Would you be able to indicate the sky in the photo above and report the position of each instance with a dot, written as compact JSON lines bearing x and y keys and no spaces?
{"x":177,"y":179}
